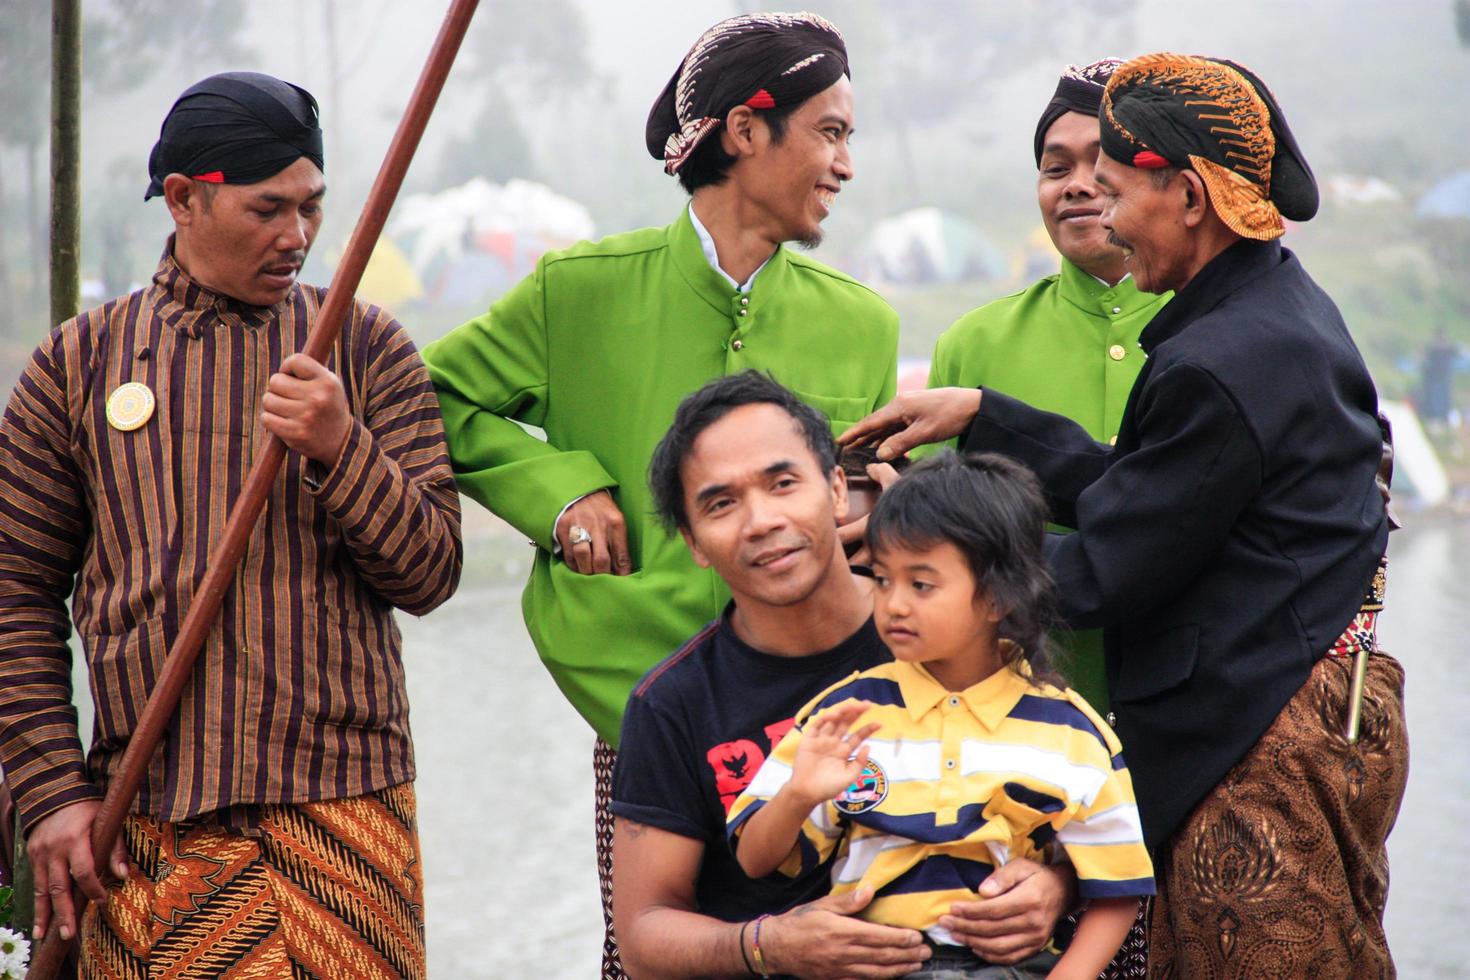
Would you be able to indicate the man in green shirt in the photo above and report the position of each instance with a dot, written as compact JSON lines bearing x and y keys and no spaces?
{"x":600,"y":344}
{"x":1069,"y":342}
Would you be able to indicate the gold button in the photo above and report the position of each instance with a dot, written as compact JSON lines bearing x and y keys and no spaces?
{"x":738,"y":344}
{"x":1116,"y":352}
{"x":1112,"y":440}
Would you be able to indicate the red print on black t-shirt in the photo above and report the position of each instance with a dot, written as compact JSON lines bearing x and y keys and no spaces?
{"x":735,"y":763}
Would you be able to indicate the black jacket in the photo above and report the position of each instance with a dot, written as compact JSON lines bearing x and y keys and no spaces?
{"x":1229,"y":537}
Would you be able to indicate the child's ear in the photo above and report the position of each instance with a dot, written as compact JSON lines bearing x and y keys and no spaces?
{"x":993,"y":612}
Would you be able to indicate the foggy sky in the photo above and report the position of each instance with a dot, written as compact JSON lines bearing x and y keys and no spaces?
{"x":1342,"y":71}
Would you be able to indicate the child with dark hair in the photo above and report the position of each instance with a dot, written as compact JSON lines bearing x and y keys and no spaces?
{"x":968,"y":751}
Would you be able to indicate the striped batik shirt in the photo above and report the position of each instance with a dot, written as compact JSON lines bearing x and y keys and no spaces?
{"x":299,"y":692}
{"x":957,"y":784}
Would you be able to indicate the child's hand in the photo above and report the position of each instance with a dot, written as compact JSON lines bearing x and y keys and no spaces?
{"x":830,"y":756}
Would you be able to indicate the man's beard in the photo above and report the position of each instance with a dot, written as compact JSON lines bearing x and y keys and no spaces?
{"x":811,"y":241}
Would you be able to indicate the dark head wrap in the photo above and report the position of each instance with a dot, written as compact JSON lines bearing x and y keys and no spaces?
{"x":239,"y":127}
{"x":1079,"y":90}
{"x":759,"y":60}
{"x":1218,"y":119}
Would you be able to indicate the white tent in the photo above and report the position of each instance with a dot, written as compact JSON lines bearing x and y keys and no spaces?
{"x":929,"y":245}
{"x":445,"y":225}
{"x":1358,"y":189}
{"x":1418,"y":475}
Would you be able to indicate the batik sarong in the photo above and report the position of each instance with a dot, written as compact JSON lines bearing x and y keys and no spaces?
{"x":1282,"y":871}
{"x":331,"y":889}
{"x":604,"y":758}
{"x":1131,"y":960}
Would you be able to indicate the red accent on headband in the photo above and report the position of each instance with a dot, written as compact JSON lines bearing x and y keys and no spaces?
{"x":1149,"y":160}
{"x":761,"y":100}
{"x":213,"y":177}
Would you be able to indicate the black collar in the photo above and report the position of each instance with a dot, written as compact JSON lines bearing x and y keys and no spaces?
{"x":1221,"y":276}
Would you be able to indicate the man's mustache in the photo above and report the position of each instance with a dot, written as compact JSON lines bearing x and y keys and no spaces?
{"x":295,"y":258}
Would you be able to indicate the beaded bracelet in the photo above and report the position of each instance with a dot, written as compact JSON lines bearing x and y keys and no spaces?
{"x":743,"y":955}
{"x":755,"y":946}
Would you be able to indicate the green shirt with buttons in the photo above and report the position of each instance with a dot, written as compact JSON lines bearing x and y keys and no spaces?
{"x":596,"y":348}
{"x":1067,"y":344}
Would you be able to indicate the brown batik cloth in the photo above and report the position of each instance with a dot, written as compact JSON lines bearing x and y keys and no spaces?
{"x":1282,"y":870}
{"x":604,"y":757}
{"x":330,"y":889}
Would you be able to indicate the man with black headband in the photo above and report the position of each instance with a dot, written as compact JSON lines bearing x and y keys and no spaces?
{"x":1069,"y":342}
{"x":1230,"y":543}
{"x":598,"y":346}
{"x":236,"y":128}
{"x":275,"y":833}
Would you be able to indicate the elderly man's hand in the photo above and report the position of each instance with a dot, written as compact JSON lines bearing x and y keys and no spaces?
{"x":305,"y":407}
{"x":60,"y":849}
{"x":822,"y":940}
{"x":916,"y":418}
{"x":1018,"y":909}
{"x":593,"y":535}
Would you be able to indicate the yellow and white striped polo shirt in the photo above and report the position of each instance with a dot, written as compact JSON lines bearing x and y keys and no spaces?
{"x":957,"y":784}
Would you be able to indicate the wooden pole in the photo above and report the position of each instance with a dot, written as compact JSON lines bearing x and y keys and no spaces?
{"x":179,"y":666}
{"x":66,"y":158}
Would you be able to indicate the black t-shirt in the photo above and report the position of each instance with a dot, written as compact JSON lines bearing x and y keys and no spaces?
{"x":697,"y":728}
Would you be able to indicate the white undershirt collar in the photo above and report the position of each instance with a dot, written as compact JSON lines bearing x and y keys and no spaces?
{"x":707,"y":242}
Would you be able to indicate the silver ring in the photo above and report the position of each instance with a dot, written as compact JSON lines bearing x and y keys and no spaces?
{"x":580,"y":535}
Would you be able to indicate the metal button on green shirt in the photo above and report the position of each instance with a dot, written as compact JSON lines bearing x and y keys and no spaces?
{"x":596,"y":348}
{"x":1067,"y":344}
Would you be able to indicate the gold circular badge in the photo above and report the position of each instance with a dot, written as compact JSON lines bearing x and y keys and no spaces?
{"x":129,"y":406}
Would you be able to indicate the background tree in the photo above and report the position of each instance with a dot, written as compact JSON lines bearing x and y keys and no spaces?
{"x":531,"y":56}
{"x":121,"y":41}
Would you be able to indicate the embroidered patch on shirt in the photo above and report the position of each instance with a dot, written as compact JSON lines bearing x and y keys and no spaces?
{"x":866,"y":792}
